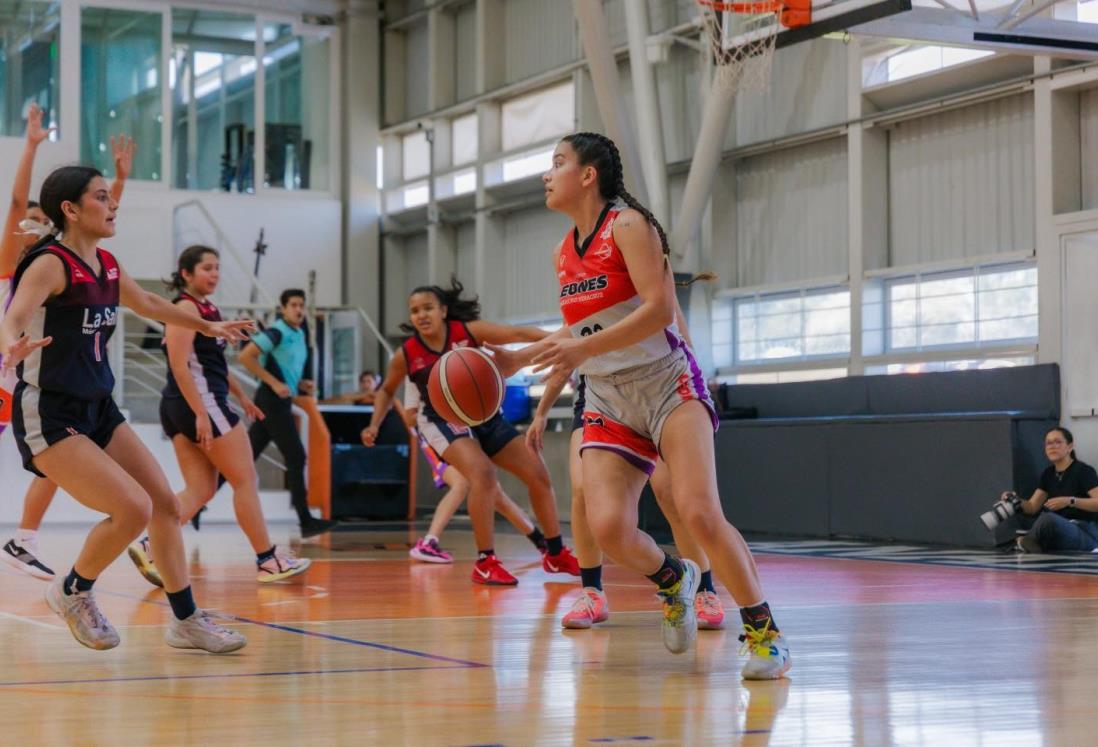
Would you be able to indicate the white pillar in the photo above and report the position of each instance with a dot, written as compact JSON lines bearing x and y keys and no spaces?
{"x":599,"y":51}
{"x":646,"y":102}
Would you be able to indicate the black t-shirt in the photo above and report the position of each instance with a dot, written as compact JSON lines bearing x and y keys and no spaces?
{"x":1076,"y":481}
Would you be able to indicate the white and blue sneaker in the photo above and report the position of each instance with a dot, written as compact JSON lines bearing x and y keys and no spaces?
{"x":680,"y":621}
{"x":23,"y":554}
{"x":768,"y":653}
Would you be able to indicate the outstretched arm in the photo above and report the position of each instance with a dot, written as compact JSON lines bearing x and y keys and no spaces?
{"x":11,"y":243}
{"x":152,"y":306}
{"x":383,"y":396}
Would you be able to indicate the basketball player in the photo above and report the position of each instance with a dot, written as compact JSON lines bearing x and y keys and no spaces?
{"x":206,"y":434}
{"x":66,"y":424}
{"x":645,"y":396}
{"x":441,"y":320}
{"x":427,"y":548}
{"x":25,"y":224}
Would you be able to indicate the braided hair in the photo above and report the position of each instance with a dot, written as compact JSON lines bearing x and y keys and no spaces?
{"x":597,"y":150}
{"x":457,"y":308}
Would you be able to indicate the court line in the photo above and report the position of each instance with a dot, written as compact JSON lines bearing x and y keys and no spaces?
{"x":227,"y":675}
{"x":312,"y":634}
{"x":29,"y":621}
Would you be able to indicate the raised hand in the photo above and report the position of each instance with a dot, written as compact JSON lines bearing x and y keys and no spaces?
{"x":231,"y":331}
{"x":36,"y":133}
{"x":123,"y":149}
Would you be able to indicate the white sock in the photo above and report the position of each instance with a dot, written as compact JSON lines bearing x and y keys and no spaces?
{"x":22,"y":536}
{"x":430,"y":537}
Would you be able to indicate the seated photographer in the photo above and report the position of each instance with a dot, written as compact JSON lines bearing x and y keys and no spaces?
{"x":1068,"y":493}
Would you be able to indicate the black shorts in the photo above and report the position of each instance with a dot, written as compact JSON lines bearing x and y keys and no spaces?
{"x":42,"y":418}
{"x":176,"y":416}
{"x":493,"y":435}
{"x":578,"y":405}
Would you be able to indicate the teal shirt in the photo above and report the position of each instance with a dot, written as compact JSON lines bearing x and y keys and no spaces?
{"x":284,"y":353}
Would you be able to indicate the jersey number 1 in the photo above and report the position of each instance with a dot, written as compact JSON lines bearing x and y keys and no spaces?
{"x":98,"y":355}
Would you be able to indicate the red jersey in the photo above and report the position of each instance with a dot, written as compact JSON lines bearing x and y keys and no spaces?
{"x":421,"y":359}
{"x":596,"y":292}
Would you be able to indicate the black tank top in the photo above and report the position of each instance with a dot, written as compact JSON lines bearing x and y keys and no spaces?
{"x":206,"y":361}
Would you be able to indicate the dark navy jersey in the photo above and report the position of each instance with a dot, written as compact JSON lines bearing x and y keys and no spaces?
{"x":206,"y":361}
{"x":81,"y":320}
{"x":421,"y":359}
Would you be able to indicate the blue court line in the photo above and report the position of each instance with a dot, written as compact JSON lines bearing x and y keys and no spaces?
{"x":313,"y":634}
{"x":160,"y":677}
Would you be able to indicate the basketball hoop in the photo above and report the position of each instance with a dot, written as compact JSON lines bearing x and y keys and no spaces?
{"x":743,"y":47}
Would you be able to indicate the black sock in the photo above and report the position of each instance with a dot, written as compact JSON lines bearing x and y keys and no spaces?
{"x":591,"y":577}
{"x":485,"y":554}
{"x":537,"y":538}
{"x":758,"y":616}
{"x":182,"y":603}
{"x":75,"y":583}
{"x":265,"y":556}
{"x":669,"y":573}
{"x":554,"y":545}
{"x":706,"y":583}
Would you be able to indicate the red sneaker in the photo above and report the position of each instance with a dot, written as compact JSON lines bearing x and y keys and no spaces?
{"x":589,"y":608}
{"x":491,"y":572}
{"x":709,"y":611}
{"x":562,"y":562}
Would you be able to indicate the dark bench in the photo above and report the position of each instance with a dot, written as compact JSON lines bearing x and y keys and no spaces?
{"x":904,"y":457}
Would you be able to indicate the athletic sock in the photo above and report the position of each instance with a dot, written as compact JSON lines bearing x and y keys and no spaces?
{"x":537,"y":538}
{"x":758,"y":616}
{"x":669,"y":573}
{"x":591,"y":577}
{"x":706,"y":583}
{"x":263,"y":557}
{"x":182,"y":603}
{"x":485,"y":554}
{"x":554,"y":545}
{"x":25,"y":535}
{"x":429,"y":538}
{"x":75,"y":583}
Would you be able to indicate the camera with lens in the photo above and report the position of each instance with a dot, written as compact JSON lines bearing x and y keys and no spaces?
{"x":1002,"y":510}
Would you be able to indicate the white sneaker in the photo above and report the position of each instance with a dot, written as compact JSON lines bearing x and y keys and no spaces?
{"x":768,"y":654}
{"x":200,"y":631}
{"x":283,"y":564}
{"x":24,"y":556}
{"x":680,"y":621}
{"x":82,"y":615}
{"x":142,"y":558}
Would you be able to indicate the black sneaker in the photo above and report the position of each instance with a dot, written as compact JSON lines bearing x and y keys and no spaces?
{"x":317,"y":526}
{"x":20,"y":557}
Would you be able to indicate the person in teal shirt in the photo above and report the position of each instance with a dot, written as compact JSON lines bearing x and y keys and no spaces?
{"x":281,"y":359}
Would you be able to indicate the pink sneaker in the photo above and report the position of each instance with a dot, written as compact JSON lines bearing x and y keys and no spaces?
{"x":589,"y":608}
{"x":709,"y":610}
{"x":430,"y":552}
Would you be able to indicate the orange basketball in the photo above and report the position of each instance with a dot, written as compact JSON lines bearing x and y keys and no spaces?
{"x":465,"y":387}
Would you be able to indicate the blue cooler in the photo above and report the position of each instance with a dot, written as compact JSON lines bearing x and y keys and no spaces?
{"x":516,"y":403}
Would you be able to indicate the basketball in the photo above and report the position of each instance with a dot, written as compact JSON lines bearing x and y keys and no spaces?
{"x":465,"y":387}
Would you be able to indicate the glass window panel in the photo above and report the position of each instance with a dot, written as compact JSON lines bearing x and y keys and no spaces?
{"x":946,"y":309}
{"x":538,"y":116}
{"x":1008,"y":329}
{"x":296,"y":94}
{"x":120,"y":87}
{"x":950,"y":286}
{"x":463,"y":139}
{"x":904,"y":313}
{"x":213,"y":100}
{"x":827,"y":344}
{"x":949,"y":333}
{"x":415,"y":155}
{"x":902,"y":337}
{"x":29,"y":63}
{"x":793,"y":325}
{"x":1019,"y":278}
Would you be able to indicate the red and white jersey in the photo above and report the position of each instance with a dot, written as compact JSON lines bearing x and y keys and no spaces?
{"x":596,"y":292}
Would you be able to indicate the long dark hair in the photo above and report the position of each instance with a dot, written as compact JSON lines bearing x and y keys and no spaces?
{"x":189,"y":259}
{"x":64,"y":184}
{"x":457,"y":308}
{"x":599,"y":151}
{"x":1067,"y":437}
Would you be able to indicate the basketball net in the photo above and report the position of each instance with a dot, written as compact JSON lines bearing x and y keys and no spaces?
{"x":743,"y":50}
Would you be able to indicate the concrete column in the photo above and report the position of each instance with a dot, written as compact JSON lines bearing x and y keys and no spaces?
{"x":362,"y":115}
{"x":647,"y":105}
{"x":599,"y":51}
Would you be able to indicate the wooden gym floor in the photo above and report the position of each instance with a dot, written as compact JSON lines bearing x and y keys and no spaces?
{"x":372,"y":649}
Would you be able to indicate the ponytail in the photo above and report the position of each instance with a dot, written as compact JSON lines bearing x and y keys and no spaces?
{"x":189,"y":258}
